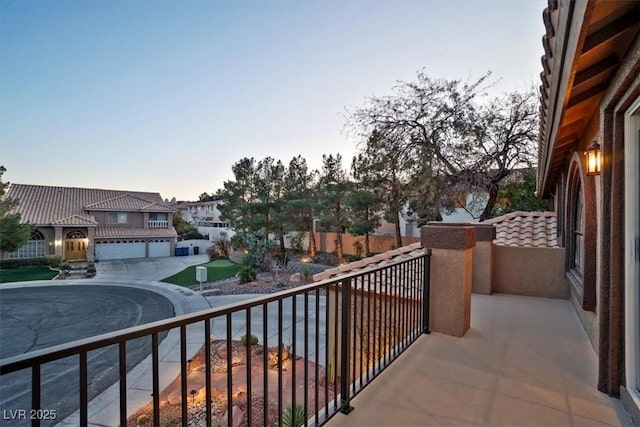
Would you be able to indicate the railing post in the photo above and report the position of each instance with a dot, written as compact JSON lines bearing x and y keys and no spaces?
{"x":425,"y":291}
{"x":345,"y":334}
{"x":451,"y":274}
{"x":35,"y":393}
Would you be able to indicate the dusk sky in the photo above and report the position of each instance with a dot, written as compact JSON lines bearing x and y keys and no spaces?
{"x":165,"y":96}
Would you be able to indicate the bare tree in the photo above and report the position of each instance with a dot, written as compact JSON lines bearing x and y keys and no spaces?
{"x":504,"y":138}
{"x":456,"y":143}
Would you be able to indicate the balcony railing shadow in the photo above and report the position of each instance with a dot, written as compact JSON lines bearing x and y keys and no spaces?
{"x":525,"y":361}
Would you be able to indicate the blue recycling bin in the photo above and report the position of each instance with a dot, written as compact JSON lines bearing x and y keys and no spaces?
{"x":182,"y":251}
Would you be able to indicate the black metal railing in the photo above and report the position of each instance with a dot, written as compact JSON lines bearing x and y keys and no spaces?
{"x":301,"y":353}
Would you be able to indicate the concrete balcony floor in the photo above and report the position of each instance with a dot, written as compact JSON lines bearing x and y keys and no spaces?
{"x":525,"y":361}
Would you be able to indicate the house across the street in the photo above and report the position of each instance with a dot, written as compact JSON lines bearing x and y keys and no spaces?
{"x":86,"y":224}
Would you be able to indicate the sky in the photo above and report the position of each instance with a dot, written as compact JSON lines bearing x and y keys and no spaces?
{"x":165,"y":96}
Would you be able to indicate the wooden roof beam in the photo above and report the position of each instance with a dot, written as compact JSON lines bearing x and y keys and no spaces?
{"x":587,"y":94}
{"x":607,"y":64}
{"x":611,"y":30}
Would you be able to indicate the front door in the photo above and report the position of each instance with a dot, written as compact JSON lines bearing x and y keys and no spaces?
{"x":75,"y":246}
{"x":75,"y":250}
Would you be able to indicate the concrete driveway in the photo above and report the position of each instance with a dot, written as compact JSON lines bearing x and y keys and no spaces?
{"x":124,"y":293}
{"x":151,"y":269}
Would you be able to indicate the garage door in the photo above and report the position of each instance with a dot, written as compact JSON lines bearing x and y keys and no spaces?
{"x":120,"y":250}
{"x":159,"y":249}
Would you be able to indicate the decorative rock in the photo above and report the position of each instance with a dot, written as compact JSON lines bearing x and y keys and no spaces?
{"x":296,"y":278}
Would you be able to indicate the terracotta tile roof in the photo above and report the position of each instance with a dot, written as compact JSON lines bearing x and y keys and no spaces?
{"x":128,"y":202}
{"x":526,"y":229}
{"x":44,"y":205}
{"x":76,"y":220}
{"x":384,"y":259}
{"x":132,"y":233}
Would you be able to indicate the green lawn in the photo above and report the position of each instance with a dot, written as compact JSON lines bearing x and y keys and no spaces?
{"x":216,"y":270}
{"x":26,"y":274}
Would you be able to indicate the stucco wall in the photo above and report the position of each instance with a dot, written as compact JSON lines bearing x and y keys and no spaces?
{"x":199,"y":243}
{"x":482,"y":268}
{"x":325,"y":242}
{"x":535,"y":272}
{"x":216,"y":233}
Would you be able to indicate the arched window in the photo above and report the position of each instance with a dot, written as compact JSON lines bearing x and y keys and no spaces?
{"x":577,"y":240}
{"x":581,"y":234}
{"x":76,"y":234}
{"x":34,"y":248}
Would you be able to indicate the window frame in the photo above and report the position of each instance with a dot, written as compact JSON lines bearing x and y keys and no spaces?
{"x":117,"y":220}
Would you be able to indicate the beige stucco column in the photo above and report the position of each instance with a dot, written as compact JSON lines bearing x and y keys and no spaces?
{"x":451,"y":272}
{"x":91,"y":234}
{"x":482,"y":276}
{"x":57,"y":242}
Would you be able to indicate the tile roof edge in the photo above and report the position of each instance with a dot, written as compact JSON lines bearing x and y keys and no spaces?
{"x":401,"y":254}
{"x":89,"y":220}
{"x":122,"y":196}
{"x":515,"y":214}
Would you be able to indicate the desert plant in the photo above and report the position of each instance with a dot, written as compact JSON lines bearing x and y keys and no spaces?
{"x":296,"y":240}
{"x":293,"y":416}
{"x":273,"y":355}
{"x":142,"y":420}
{"x":255,"y":247}
{"x":305,"y":274}
{"x":211,"y":252}
{"x":325,"y":259}
{"x":247,"y":274}
{"x":243,"y":340}
{"x":222,"y":248}
{"x":358,"y":249}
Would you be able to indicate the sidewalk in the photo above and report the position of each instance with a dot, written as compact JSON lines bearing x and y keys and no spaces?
{"x":149,"y":269}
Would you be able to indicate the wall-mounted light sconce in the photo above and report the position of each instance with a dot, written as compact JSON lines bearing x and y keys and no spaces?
{"x":58,"y":242}
{"x":594,"y":159}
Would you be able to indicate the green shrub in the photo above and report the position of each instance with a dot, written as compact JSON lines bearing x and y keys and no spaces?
{"x":192,"y":234}
{"x":49,"y":260}
{"x":65,"y":266}
{"x":53,"y":260}
{"x":247,"y":274}
{"x":293,"y":416}
{"x":243,"y":340}
{"x":91,"y":268}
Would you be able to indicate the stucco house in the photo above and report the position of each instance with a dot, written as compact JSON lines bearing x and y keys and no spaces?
{"x":589,"y":157}
{"x":205,"y":216}
{"x":86,"y":224}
